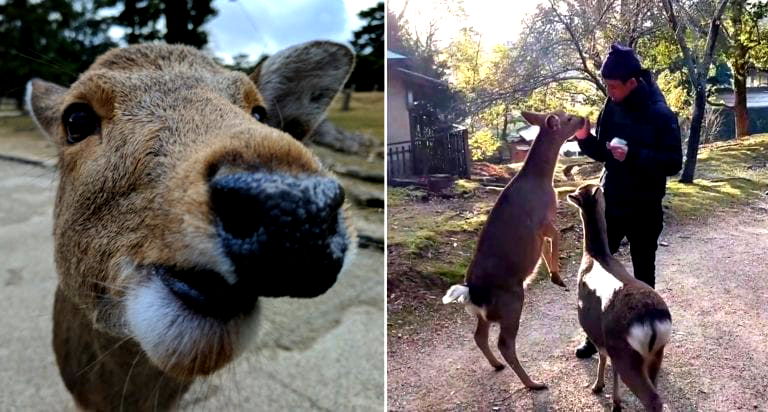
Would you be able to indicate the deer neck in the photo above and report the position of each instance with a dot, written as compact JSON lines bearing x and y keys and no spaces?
{"x":105,"y":372}
{"x":595,"y":235}
{"x":542,"y":157}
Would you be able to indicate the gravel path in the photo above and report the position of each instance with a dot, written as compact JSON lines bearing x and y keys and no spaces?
{"x":317,"y":354}
{"x":713,"y":277}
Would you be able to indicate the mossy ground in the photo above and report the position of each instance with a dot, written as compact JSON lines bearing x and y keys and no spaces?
{"x":431,"y":238}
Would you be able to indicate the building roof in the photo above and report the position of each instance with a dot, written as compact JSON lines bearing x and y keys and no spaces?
{"x":422,"y":78}
{"x":393,"y":55}
{"x":756,"y":97}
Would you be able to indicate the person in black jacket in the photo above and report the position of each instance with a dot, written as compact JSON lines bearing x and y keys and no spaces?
{"x":638,"y":138}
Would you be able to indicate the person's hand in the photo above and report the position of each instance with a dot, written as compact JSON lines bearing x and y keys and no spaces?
{"x":619,"y":152}
{"x":584,"y":131}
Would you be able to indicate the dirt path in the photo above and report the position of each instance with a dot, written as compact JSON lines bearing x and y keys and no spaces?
{"x":714,"y":279}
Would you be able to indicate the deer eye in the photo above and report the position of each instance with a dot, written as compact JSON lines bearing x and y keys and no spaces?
{"x":80,"y":121}
{"x":259,"y":113}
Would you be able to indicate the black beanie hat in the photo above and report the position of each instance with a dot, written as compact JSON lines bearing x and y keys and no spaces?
{"x":621,"y":64}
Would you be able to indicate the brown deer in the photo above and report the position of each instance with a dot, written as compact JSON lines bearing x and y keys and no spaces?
{"x":512,"y":241}
{"x":625,"y":318}
{"x":185,"y":195}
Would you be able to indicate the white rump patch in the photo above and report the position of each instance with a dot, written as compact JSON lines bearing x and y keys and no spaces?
{"x":639,"y":336}
{"x":458,"y":294}
{"x":603,"y":283}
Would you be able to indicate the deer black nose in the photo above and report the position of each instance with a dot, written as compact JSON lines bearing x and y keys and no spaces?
{"x":285,"y":234}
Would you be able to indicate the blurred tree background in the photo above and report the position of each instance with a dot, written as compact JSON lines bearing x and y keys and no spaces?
{"x":697,"y":50}
{"x":51,"y":39}
{"x":58,"y":39}
{"x":368,"y":43}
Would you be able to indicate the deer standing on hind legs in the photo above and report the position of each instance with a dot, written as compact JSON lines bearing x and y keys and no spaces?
{"x":185,"y":197}
{"x":624,"y":317}
{"x":512,"y":241}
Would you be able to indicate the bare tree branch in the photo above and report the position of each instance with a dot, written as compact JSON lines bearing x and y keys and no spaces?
{"x":577,"y":46}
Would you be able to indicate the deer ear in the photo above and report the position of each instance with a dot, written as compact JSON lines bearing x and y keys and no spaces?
{"x":595,"y":190}
{"x":299,"y":83}
{"x":574,"y":198}
{"x":552,"y":122}
{"x":535,"y":119}
{"x":43,"y":101}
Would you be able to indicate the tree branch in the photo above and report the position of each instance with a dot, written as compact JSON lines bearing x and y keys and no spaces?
{"x":678,"y":31}
{"x":714,"y":30}
{"x":579,"y":49}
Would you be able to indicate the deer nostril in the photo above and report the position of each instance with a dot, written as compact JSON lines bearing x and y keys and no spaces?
{"x":246,"y":203}
{"x":284,"y":233}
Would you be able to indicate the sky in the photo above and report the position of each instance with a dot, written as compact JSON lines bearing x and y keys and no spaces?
{"x":497,"y":21}
{"x":257,"y":27}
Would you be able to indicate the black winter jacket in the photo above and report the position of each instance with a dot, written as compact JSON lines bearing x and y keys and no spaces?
{"x":652,"y":133}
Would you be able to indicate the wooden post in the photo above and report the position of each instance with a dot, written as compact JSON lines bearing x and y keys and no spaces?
{"x":347,"y":94}
{"x":467,"y":154}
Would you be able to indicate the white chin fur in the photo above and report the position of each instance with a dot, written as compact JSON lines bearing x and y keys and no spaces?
{"x":170,"y":333}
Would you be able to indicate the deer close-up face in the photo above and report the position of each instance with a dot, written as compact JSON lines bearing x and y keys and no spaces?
{"x":186,"y":195}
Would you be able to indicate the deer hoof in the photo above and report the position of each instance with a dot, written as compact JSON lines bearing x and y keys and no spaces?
{"x":555,"y":278}
{"x":616,"y":408}
{"x":597,"y":388}
{"x":499,"y":367}
{"x":535,"y":386}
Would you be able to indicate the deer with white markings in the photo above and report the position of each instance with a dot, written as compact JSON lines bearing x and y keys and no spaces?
{"x":519,"y":231}
{"x":626,"y":319}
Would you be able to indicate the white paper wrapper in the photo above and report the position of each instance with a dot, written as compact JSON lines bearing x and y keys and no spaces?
{"x":618,"y":142}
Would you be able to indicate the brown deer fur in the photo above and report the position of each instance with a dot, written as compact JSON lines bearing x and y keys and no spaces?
{"x":625,"y":318}
{"x":136,"y":193}
{"x":512,"y":241}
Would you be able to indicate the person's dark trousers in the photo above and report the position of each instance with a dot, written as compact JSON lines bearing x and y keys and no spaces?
{"x":642,"y":228}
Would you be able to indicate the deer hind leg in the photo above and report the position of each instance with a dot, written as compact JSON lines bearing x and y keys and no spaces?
{"x":654,"y":365}
{"x":481,"y":339}
{"x":632,"y":370}
{"x":551,"y":253}
{"x":599,"y":384}
{"x":616,"y":397}
{"x":510,"y":322}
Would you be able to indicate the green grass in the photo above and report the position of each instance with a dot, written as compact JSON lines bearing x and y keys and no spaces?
{"x":728,"y":175}
{"x":437,"y":238}
{"x":421,"y":228}
{"x":465,"y":187}
{"x":453,"y":272}
{"x":421,"y":241}
{"x":365,"y":115}
{"x":397,"y":196}
{"x":13,"y":124}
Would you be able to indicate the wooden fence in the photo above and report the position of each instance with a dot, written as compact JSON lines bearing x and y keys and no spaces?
{"x":443,"y":151}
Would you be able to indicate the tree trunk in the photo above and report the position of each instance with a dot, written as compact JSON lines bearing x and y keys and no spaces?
{"x":506,"y":122}
{"x":740,"y":111}
{"x":176,"y":22}
{"x":697,"y":73}
{"x":347,"y":94}
{"x":699,"y":105}
{"x":739,"y":66}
